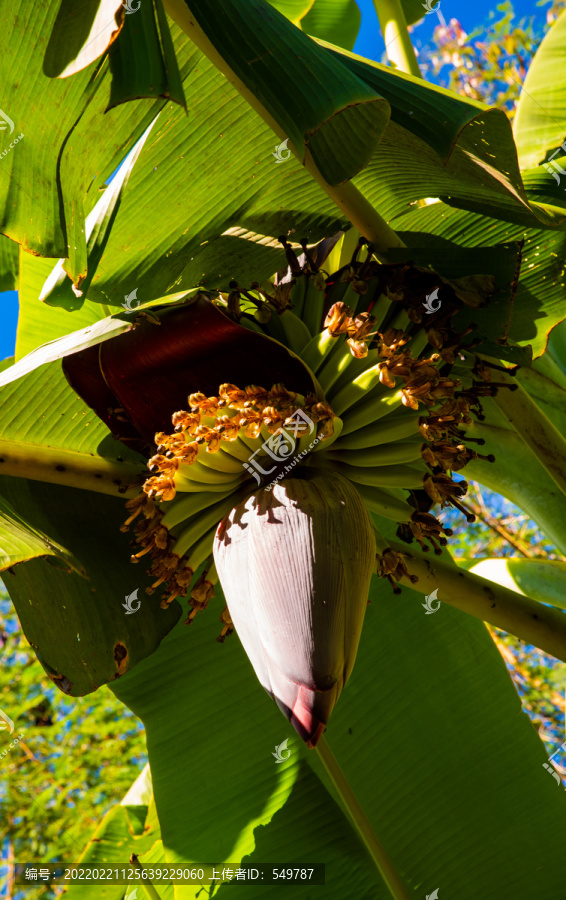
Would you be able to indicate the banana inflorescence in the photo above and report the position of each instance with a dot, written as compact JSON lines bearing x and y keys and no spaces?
{"x":394,"y":390}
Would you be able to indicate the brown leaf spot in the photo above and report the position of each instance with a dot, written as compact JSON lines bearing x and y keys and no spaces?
{"x":120,"y":657}
{"x":62,"y":683}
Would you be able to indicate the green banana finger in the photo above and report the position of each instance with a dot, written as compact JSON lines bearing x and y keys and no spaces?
{"x":356,"y":367}
{"x":182,"y":508}
{"x":219,"y":461}
{"x":373,"y":409}
{"x":387,"y":503}
{"x":297,"y":295}
{"x":201,"y":525}
{"x":204,"y":474}
{"x":394,"y":453}
{"x":318,"y":349}
{"x":358,"y":389}
{"x":202,"y":549}
{"x":335,"y":366}
{"x":328,"y":442}
{"x":313,"y":305}
{"x":418,"y":342}
{"x":185,"y":483}
{"x":380,"y":310}
{"x":394,"y":476}
{"x":297,"y":335}
{"x":237,"y":450}
{"x":391,"y":427}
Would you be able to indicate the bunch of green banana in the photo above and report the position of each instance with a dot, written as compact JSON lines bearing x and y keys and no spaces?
{"x":382,"y":413}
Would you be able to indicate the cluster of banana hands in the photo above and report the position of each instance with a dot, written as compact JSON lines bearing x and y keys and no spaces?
{"x":393,"y":388}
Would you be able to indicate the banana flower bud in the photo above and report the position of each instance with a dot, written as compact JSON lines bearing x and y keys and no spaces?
{"x":295,"y":565}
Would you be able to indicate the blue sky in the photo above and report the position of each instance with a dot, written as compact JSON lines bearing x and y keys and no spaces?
{"x":370,"y":45}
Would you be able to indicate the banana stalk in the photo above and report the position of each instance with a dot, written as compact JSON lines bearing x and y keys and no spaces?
{"x":542,"y":626}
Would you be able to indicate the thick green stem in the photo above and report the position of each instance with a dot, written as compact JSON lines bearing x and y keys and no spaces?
{"x":359,"y":211}
{"x":542,"y":626}
{"x":537,"y":431}
{"x":346,"y":196}
{"x":70,"y":469}
{"x":396,"y":36}
{"x":361,"y":823}
{"x":147,"y":886}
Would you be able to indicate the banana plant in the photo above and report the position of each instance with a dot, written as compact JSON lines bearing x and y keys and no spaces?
{"x":309,"y":298}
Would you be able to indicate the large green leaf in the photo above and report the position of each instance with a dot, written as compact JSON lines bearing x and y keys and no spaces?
{"x":478,"y":167}
{"x":9,"y":255}
{"x":60,"y":153}
{"x":129,"y":827}
{"x":60,"y":290}
{"x":182,"y":198}
{"x":72,"y":446}
{"x":184,"y":185}
{"x":78,"y":626}
{"x":38,"y":323}
{"x":81,"y":33}
{"x":519,"y":476}
{"x":388,"y":716}
{"x":142,"y":59}
{"x":540,"y":120}
{"x":313,"y":99}
{"x":292,"y":9}
{"x":415,"y":10}
{"x":539,"y":301}
{"x":335,"y":21}
{"x":543,"y":580}
{"x":19,"y":542}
